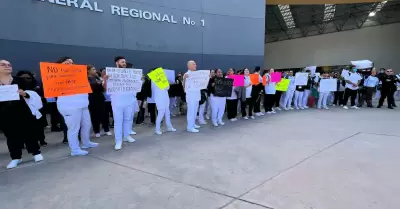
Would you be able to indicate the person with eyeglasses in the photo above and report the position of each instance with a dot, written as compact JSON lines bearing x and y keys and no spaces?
{"x":16,"y":114}
{"x":388,"y":88}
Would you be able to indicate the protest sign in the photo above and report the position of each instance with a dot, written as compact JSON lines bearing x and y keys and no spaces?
{"x":238,"y":80}
{"x":276,"y":77}
{"x":362,"y":64}
{"x":123,"y":80}
{"x":312,"y":69}
{"x":327,"y":85}
{"x":255,"y":79}
{"x":9,"y":93}
{"x":170,"y":75}
{"x":197,"y":80}
{"x":159,"y":77}
{"x":64,"y":80}
{"x":283,"y":85}
{"x":301,"y":79}
{"x":264,"y":80}
{"x":223,"y":87}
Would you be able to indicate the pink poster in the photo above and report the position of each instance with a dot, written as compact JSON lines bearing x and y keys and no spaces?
{"x":238,"y":80}
{"x":276,"y":77}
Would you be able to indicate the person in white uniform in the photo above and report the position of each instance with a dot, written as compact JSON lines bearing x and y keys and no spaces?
{"x":123,"y":105}
{"x":352,"y":82}
{"x":217,"y":103}
{"x":161,"y":99}
{"x":74,"y":109}
{"x":269,"y":91}
{"x":287,"y":101}
{"x":192,"y":100}
{"x":323,"y":95}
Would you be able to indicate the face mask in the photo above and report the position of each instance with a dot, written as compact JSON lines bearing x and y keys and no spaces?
{"x":355,"y":70}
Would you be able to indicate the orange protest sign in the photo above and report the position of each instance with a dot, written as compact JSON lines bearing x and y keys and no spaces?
{"x":264,"y":80}
{"x":255,"y":79}
{"x":64,"y":80}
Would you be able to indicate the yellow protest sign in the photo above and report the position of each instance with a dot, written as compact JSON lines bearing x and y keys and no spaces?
{"x":283,"y":85}
{"x":159,"y":77}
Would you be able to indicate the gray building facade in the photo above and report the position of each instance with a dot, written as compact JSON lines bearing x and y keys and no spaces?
{"x":149,"y":33}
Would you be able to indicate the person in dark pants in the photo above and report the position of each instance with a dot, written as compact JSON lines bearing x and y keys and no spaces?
{"x":269,"y":90}
{"x":141,"y":98}
{"x":352,"y":82}
{"x":339,"y":93}
{"x":55,"y":116}
{"x":388,"y":88}
{"x":256,"y":93}
{"x":370,"y":84}
{"x":246,"y":99}
{"x":17,"y":119}
{"x":151,"y":104}
{"x":97,"y":104}
{"x":232,"y":101}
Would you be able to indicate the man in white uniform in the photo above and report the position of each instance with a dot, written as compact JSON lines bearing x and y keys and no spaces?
{"x":192,"y":99}
{"x":123,"y":105}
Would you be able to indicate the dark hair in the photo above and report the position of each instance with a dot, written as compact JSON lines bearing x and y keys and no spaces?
{"x":117,"y":58}
{"x":22,"y":72}
{"x":102,"y":69}
{"x":63,"y":59}
{"x":89,"y":67}
{"x":129,"y":65}
{"x":257,"y":69}
{"x":382,"y":69}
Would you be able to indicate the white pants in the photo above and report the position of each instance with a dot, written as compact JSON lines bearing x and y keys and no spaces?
{"x":305,"y":96}
{"x":192,"y":107}
{"x":287,"y":102}
{"x":217,"y":108}
{"x":298,"y":98}
{"x":377,"y":94}
{"x":202,"y":108}
{"x":322,"y":99}
{"x":77,"y":119}
{"x":161,"y":114}
{"x":123,"y":121}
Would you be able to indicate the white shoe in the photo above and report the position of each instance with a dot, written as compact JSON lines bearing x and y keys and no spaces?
{"x":207,"y":117}
{"x":13,"y":163}
{"x":173,"y":115}
{"x":79,"y":153}
{"x":158,"y":132}
{"x":108,"y":133}
{"x":171,"y":130}
{"x":333,"y":105}
{"x":215,"y":124}
{"x":193,"y":130}
{"x":129,"y":139}
{"x":252,"y":117}
{"x":345,"y":107}
{"x":290,"y":108}
{"x":133,"y":132}
{"x":262,"y":114}
{"x":203,"y":123}
{"x":306,"y":107}
{"x":296,"y":108}
{"x":245,"y":117}
{"x":97,"y":135}
{"x":354,"y":107}
{"x":118,"y":146}
{"x":38,"y":158}
{"x":258,"y":114}
{"x":273,"y":112}
{"x":269,"y":112}
{"x":326,"y":108}
{"x":221,"y":123}
{"x":232,"y":120}
{"x":302,"y":108}
{"x":278,"y":108}
{"x":90,"y":145}
{"x":196,"y":126}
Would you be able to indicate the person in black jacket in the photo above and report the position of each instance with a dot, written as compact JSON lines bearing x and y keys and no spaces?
{"x":388,"y":88}
{"x":97,"y":103}
{"x":16,"y":114}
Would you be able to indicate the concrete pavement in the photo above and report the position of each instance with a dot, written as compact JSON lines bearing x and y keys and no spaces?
{"x":309,"y":159}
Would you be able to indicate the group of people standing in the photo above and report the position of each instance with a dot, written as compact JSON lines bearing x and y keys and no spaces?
{"x":77,"y":114}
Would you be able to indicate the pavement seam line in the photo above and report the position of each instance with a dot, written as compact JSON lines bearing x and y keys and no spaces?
{"x":164,"y":177}
{"x":291,"y":167}
{"x":380,"y":134}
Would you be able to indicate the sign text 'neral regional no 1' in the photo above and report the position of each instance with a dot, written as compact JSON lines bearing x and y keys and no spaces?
{"x":127,"y":12}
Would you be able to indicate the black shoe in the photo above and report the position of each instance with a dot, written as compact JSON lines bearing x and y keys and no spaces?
{"x":390,"y":107}
{"x":370,"y":106}
{"x":43,"y":144}
{"x":65,"y":141}
{"x":379,"y":106}
{"x":394,"y":105}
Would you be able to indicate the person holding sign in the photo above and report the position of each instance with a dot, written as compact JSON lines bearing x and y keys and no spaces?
{"x":323,"y":95}
{"x":74,"y":109}
{"x":161,"y":98}
{"x":232,"y":100}
{"x":192,"y":99}
{"x":352,"y":82}
{"x":269,"y":90}
{"x":288,"y":96}
{"x":247,"y":101}
{"x":256,"y":91}
{"x":16,"y":114}
{"x":123,"y":105}
{"x":217,"y":102}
